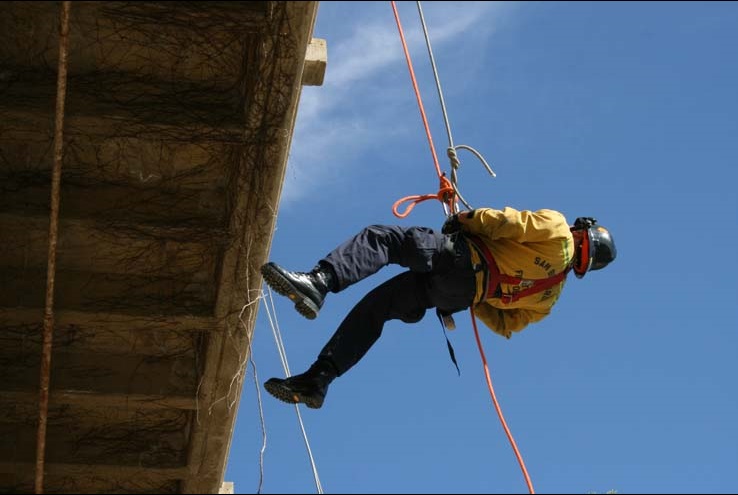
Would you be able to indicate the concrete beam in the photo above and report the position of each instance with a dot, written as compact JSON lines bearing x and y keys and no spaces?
{"x":114,"y":322}
{"x":120,"y":293}
{"x":99,"y":470}
{"x":113,"y":247}
{"x":316,"y":61}
{"x":147,"y":336}
{"x":144,"y":163}
{"x":149,"y":443}
{"x":102,"y":126}
{"x":92,"y":399}
{"x":103,"y":373}
{"x":127,"y":209}
{"x":195,"y":41}
{"x":126,"y":100}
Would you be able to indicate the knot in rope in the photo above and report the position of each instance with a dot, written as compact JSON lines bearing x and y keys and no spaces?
{"x":445,"y":195}
{"x":453,"y":157}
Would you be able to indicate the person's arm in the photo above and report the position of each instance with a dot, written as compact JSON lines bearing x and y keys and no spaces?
{"x":523,"y":226}
{"x":506,"y":321}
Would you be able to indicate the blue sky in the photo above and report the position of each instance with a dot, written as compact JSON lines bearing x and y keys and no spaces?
{"x":624,"y":111}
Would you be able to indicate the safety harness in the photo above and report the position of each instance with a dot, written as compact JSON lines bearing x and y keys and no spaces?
{"x":493,"y":288}
{"x":495,"y":278}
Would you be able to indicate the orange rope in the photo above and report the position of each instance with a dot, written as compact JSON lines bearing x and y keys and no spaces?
{"x":445,"y":191}
{"x":497,"y":405}
{"x":446,"y":194}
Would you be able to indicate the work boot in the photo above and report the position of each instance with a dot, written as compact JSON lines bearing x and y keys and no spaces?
{"x":306,"y":290}
{"x":309,"y":388}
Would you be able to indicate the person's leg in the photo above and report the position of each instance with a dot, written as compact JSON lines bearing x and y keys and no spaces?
{"x":450,"y":285}
{"x":403,"y":297}
{"x":357,"y":258}
{"x":377,"y":246}
{"x":441,"y":276}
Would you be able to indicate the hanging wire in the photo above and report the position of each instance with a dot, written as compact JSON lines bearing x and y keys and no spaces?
{"x":272,"y":316}
{"x":259,"y":402}
{"x":262,"y":422}
{"x":451,"y":151}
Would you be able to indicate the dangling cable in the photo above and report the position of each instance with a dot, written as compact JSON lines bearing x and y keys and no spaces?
{"x":260,"y":406}
{"x":283,"y":357}
{"x":261,"y":421}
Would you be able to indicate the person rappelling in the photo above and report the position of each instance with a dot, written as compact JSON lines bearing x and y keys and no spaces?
{"x":509,"y":265}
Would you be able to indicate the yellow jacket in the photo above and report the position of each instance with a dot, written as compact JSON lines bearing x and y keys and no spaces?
{"x":525,"y":244}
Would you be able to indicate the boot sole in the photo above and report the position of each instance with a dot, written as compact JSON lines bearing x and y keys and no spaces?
{"x":283,"y":393}
{"x":304,"y":305}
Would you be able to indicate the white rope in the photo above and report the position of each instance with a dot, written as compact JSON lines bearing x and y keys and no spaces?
{"x":318,"y":485}
{"x":435,"y":75}
{"x":451,"y":150}
{"x":272,"y":315}
{"x":277,"y":334}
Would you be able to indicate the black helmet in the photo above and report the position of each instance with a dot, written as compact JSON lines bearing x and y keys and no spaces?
{"x":597,"y":249}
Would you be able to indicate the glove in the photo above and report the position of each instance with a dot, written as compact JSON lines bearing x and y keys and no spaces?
{"x":451,"y":225}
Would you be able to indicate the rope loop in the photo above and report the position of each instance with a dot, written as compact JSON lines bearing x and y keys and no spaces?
{"x":446,"y":195}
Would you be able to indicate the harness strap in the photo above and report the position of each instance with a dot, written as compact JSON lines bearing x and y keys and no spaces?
{"x":443,"y":319}
{"x":495,"y":278}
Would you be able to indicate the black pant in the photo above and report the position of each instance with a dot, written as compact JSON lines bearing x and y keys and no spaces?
{"x":440,"y":275}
